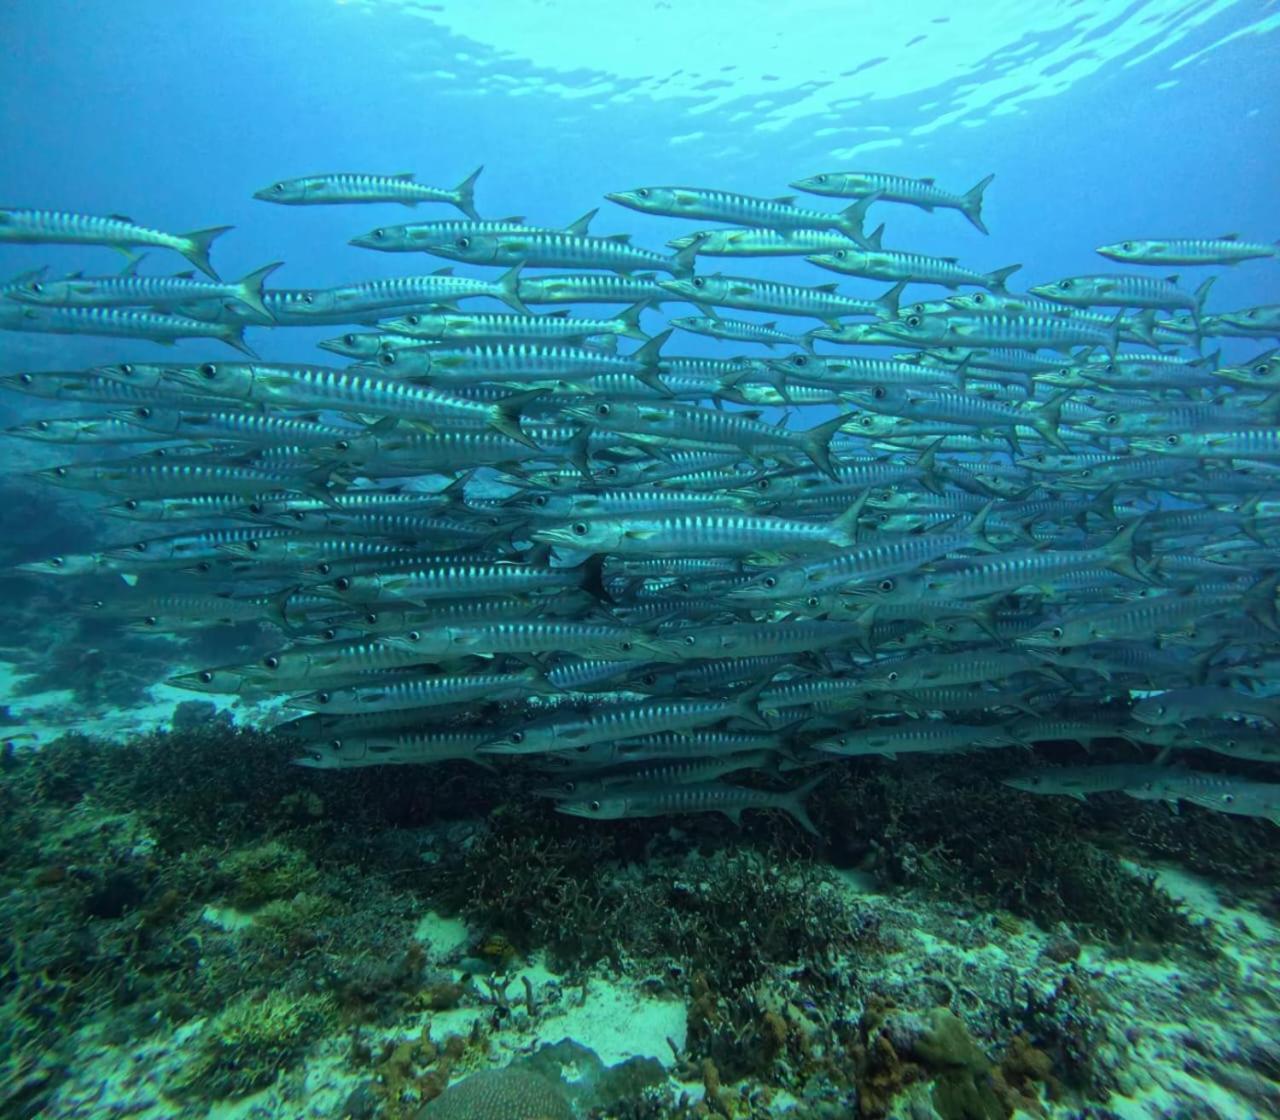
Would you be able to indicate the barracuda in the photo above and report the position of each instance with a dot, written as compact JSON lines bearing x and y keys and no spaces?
{"x":931,"y":736}
{"x":131,"y":290}
{"x":56,"y":227}
{"x":124,"y":322}
{"x":924,"y":193}
{"x":443,"y":326}
{"x":556,"y":249}
{"x":352,"y":186}
{"x":916,"y":268}
{"x":1228,"y":249}
{"x":822,"y":301}
{"x":762,"y":242}
{"x":736,"y":330}
{"x":320,"y":387}
{"x":416,"y":691}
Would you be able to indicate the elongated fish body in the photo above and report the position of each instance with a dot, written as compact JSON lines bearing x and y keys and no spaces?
{"x":87,"y":430}
{"x":1261,"y":443}
{"x":360,"y":300}
{"x":1026,"y":332}
{"x":390,"y":748}
{"x":1185,"y":705}
{"x":822,"y":301}
{"x":885,"y":264}
{"x":159,"y":479}
{"x":920,"y":736}
{"x":1228,"y":249}
{"x":457,"y":579}
{"x":367,"y":345}
{"x":1081,"y":782}
{"x":353,"y":187}
{"x":924,"y":193}
{"x":740,"y":209}
{"x":1219,"y":793}
{"x":239,"y":427}
{"x":592,"y":288}
{"x":443,"y":326}
{"x":118,"y":322}
{"x":167,"y":293}
{"x":418,"y":692}
{"x":736,"y":330}
{"x":1124,"y":291}
{"x":694,"y":534}
{"x":555,"y":249}
{"x":762,"y":242}
{"x":485,"y":639}
{"x":1253,"y":322}
{"x":416,"y":236}
{"x":712,"y":797}
{"x":56,"y":227}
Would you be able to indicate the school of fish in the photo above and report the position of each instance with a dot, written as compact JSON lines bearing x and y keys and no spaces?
{"x":1008,"y":519}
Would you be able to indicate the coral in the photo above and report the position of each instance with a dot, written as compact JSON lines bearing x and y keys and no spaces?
{"x":501,"y":1094}
{"x":265,"y":873}
{"x":246,"y":1045}
{"x":955,"y":831}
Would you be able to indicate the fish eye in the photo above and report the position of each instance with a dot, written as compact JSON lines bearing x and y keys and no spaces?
{"x":540,"y":500}
{"x":770,"y":581}
{"x":1127,"y":246}
{"x":252,"y":546}
{"x":517,"y":736}
{"x":278,"y":188}
{"x":1261,"y":370}
{"x":1056,"y":633}
{"x":463,"y":242}
{"x":1172,"y":440}
{"x":1041,"y":458}
{"x":343,"y":445}
{"x":610,"y":472}
{"x":127,"y":369}
{"x":886,"y":585}
{"x":329,"y":633}
{"x":1228,"y":798}
{"x":97,"y":604}
{"x":42,"y":425}
{"x":690,"y":640}
{"x":143,"y":413}
{"x":349,"y":339}
{"x":643,"y":192}
{"x":253,"y":507}
{"x":26,"y":379}
{"x":594,"y":806}
{"x":839,"y":254}
{"x":1065,"y":285}
{"x":699,"y":282}
{"x":978,"y":297}
{"x":413,"y":320}
{"x":879,"y":392}
{"x":37,"y":287}
{"x":1113,"y":419}
{"x":893,"y":676}
{"x":307,"y":297}
{"x":379,"y":234}
{"x":342,"y":583}
{"x":414,"y":635}
{"x":388,"y":358}
{"x":819,"y":178}
{"x":271,"y":661}
{"x":866,"y":421}
{"x":206,"y":677}
{"x":603,"y":410}
{"x":141,"y":546}
{"x":800,"y":360}
{"x":336,"y":744}
{"x":913,"y":320}
{"x":56,"y":561}
{"x":208,"y":371}
{"x":763,"y":484}
{"x":812,"y":601}
{"x":579,"y":529}
{"x":371,"y":618}
{"x":322,"y":698}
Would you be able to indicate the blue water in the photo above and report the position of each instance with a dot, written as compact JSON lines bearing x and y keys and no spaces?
{"x":1101,"y":121}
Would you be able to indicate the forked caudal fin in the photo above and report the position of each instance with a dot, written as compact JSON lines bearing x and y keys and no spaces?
{"x":197,"y":245}
{"x":971,"y":203}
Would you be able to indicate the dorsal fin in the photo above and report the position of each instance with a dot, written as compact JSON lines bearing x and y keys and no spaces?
{"x":121,"y":218}
{"x":514,"y":219}
{"x":446,"y":271}
{"x":929,"y":179}
{"x":190,"y":275}
{"x":1172,"y":279}
{"x":772,"y":325}
{"x":785,"y":199}
{"x":580,"y":228}
{"x":619,"y":238}
{"x":1223,"y":237}
{"x":825,"y":287}
{"x":131,"y":266}
{"x":563,"y":313}
{"x":403,"y":175}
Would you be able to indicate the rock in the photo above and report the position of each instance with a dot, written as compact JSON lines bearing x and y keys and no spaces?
{"x":361,"y":1103}
{"x":191,"y":714}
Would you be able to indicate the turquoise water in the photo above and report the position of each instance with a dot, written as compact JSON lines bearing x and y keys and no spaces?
{"x":191,"y":920}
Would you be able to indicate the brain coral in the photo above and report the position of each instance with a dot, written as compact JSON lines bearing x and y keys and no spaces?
{"x":499,"y":1094}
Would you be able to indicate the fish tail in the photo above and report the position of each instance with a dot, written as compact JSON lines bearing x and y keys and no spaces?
{"x":591,"y":571}
{"x":1046,"y":417}
{"x":685,"y":261}
{"x":249,"y":290}
{"x":1120,"y":557}
{"x":630,"y":318}
{"x":233,"y":336}
{"x":971,"y":203}
{"x":792,"y":803}
{"x":851,"y":219}
{"x":198,"y":243}
{"x":509,"y":289}
{"x":465,"y":193}
{"x":816,"y":443}
{"x":505,"y":416}
{"x":1197,"y":308}
{"x":997,"y":277}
